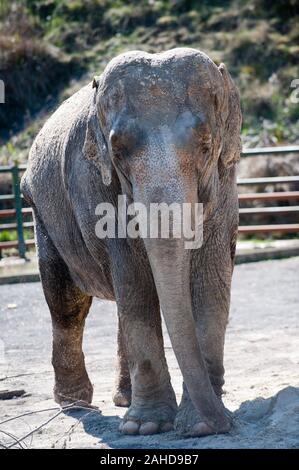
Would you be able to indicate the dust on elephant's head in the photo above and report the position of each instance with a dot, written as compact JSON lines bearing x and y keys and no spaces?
{"x":168,"y":123}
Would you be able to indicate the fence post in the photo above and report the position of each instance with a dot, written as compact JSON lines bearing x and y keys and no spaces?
{"x":18,"y":206}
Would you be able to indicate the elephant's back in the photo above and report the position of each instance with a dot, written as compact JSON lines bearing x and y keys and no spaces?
{"x":47,"y":153}
{"x":69,"y":115}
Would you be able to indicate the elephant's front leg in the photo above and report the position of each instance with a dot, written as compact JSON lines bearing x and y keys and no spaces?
{"x":153,"y":407}
{"x":123,"y":389}
{"x":212,"y":269}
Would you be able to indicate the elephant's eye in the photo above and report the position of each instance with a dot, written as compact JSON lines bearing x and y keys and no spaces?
{"x":119,"y":143}
{"x":186,"y":125}
{"x":124,"y":143}
{"x":114,"y":139}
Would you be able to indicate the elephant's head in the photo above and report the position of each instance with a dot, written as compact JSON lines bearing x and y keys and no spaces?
{"x":169,"y":124}
{"x":166,"y":122}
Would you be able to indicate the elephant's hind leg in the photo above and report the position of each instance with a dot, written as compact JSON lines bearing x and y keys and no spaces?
{"x":123,"y":389}
{"x":69,"y":308}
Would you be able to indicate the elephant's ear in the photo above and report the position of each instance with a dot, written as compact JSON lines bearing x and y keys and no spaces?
{"x":95,"y":147}
{"x":231,"y":141}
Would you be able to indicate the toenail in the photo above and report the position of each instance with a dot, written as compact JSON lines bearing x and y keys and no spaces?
{"x":201,"y":429}
{"x":130,"y":427}
{"x":148,"y":428}
{"x":166,"y":427}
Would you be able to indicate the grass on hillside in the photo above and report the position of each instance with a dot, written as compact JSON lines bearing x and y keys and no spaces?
{"x":12,"y":235}
{"x":51,"y":47}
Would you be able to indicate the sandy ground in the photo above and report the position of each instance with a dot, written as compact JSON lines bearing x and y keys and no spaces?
{"x":262,"y":355}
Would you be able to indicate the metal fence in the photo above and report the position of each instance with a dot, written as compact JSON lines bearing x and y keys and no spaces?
{"x":18,"y":215}
{"x":265,"y":197}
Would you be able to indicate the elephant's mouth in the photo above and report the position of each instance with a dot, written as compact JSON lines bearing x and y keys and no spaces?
{"x":208,"y":190}
{"x":125,"y":182}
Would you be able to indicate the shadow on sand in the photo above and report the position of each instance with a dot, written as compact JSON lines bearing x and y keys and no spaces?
{"x":259,"y":423}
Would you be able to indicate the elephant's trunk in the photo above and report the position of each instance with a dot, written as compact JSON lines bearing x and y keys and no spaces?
{"x":170,"y":263}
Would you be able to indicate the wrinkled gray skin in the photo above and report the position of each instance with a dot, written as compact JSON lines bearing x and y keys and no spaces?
{"x":158,"y":128}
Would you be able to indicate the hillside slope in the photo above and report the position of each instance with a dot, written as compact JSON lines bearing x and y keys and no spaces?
{"x":49,"y":48}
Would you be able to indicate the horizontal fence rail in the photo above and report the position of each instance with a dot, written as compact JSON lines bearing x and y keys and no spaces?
{"x":264,"y":197}
{"x":15,"y":244}
{"x":282,"y":228}
{"x":4,"y":213}
{"x":256,"y":151}
{"x":269,"y":210}
{"x":18,"y":213}
{"x":14,"y":226}
{"x":269,"y":180}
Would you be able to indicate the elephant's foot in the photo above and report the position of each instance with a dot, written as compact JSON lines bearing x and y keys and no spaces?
{"x":149,"y":418}
{"x":122,"y":397}
{"x":68,"y":391}
{"x":189,"y":423}
{"x":123,"y":391}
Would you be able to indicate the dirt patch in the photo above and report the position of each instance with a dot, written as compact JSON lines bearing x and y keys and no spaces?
{"x":261,"y":361}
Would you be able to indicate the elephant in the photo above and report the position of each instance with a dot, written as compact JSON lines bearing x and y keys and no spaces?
{"x":155,"y":128}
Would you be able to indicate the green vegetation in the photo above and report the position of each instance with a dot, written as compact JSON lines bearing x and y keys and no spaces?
{"x":12,"y":235}
{"x":51,"y":47}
